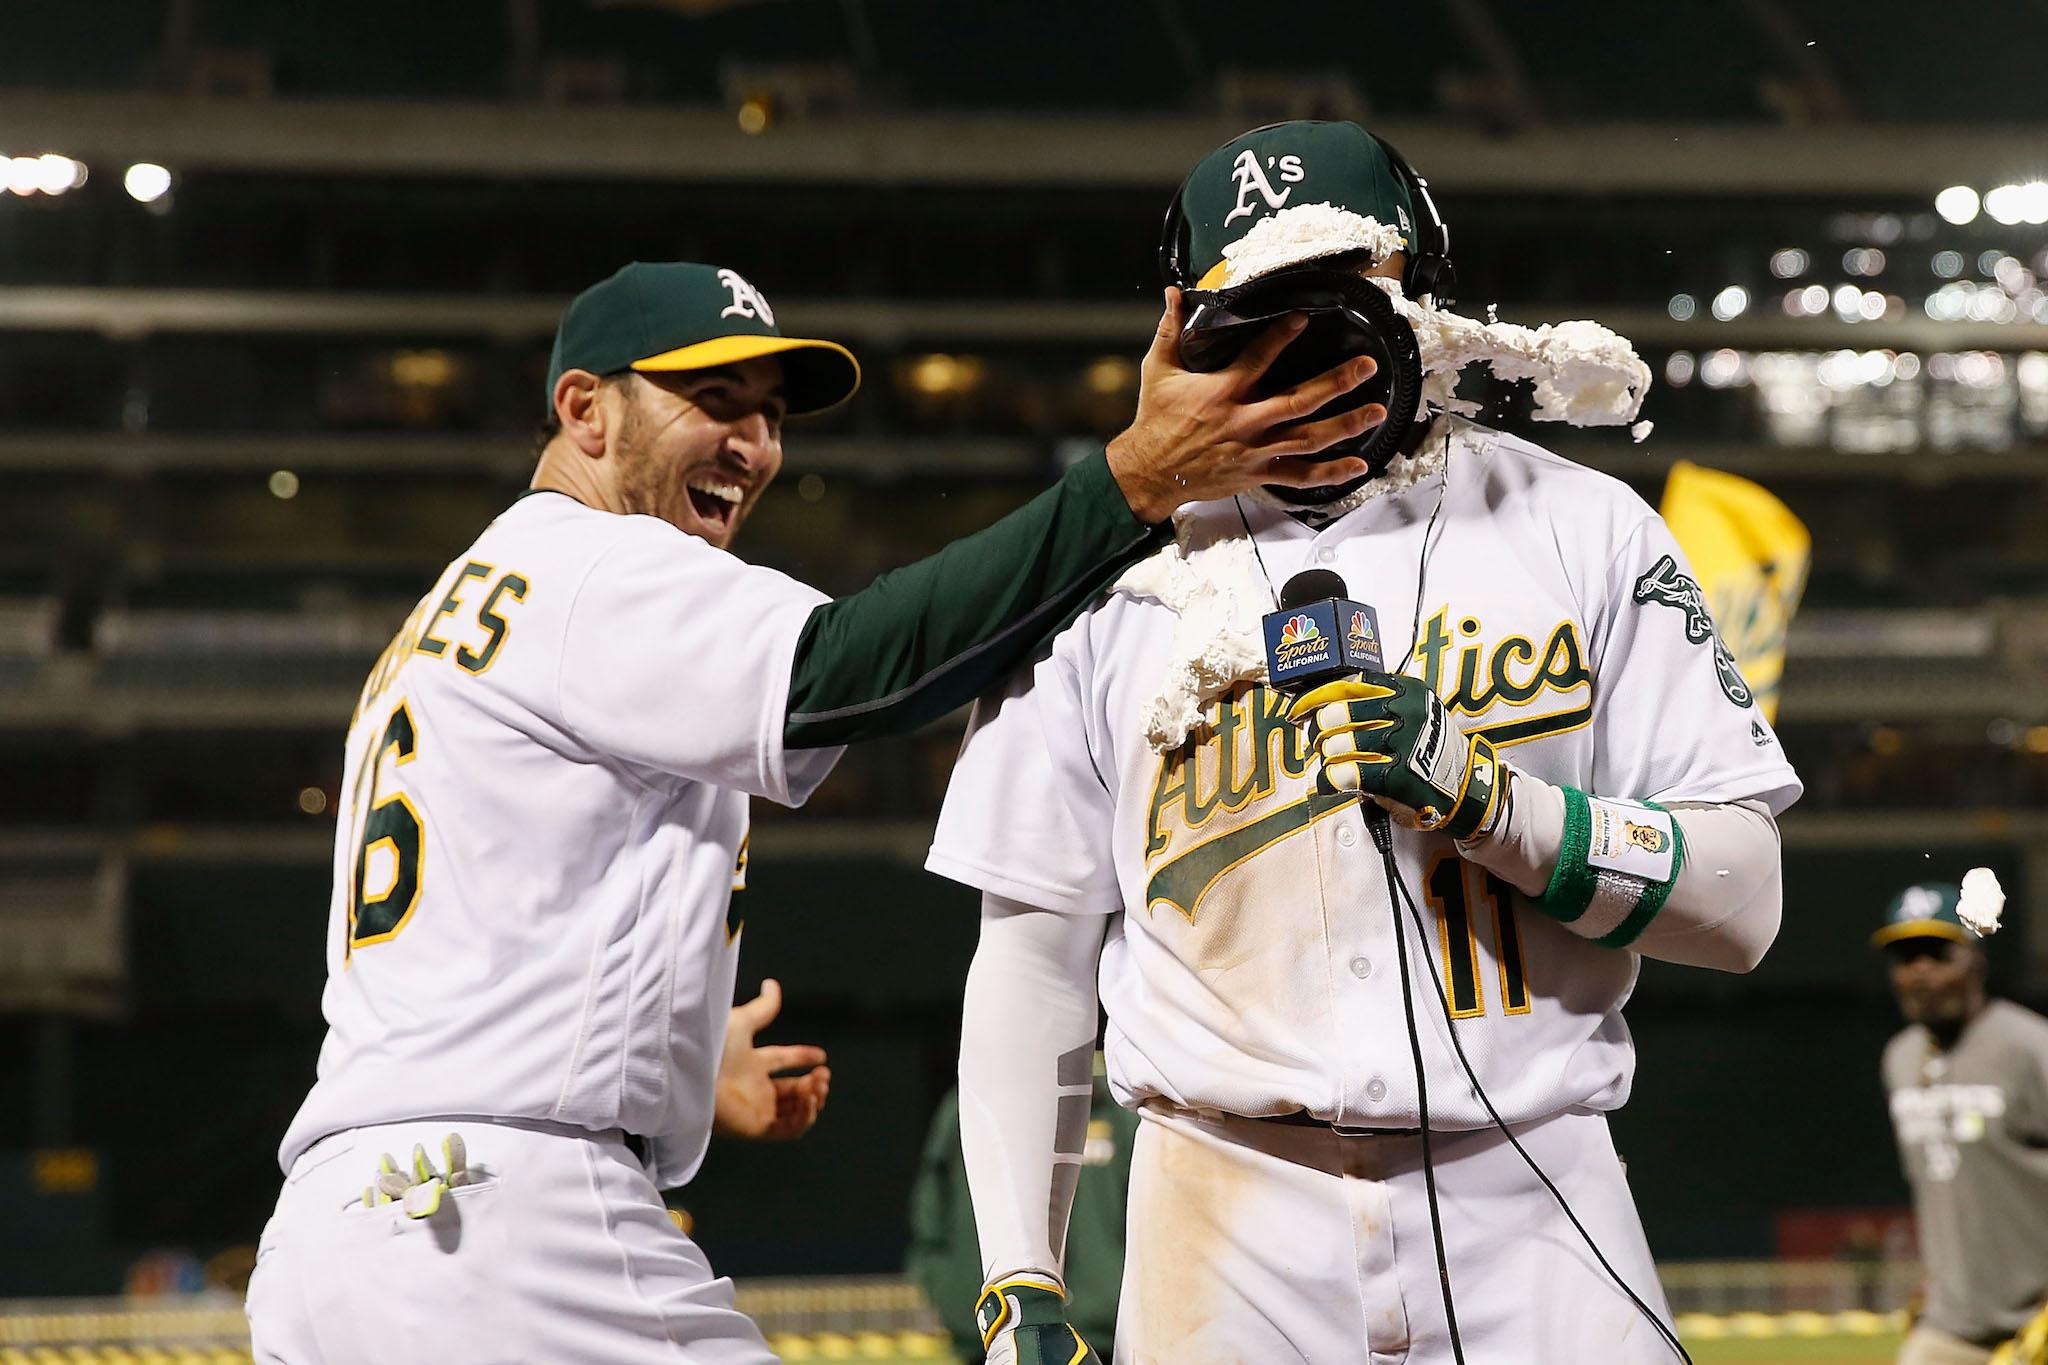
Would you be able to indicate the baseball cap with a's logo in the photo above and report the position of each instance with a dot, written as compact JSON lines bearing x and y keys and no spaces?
{"x":1924,"y":911}
{"x":1288,"y":166}
{"x":679,"y":315}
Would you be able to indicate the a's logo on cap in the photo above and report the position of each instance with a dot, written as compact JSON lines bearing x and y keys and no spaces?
{"x":1297,"y":628}
{"x":746,"y":300}
{"x":1250,"y":176}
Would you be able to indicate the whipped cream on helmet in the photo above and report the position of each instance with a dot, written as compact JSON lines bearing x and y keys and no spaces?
{"x":1305,"y":232}
{"x":1584,"y":375}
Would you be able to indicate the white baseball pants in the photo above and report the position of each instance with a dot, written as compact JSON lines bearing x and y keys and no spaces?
{"x":1255,"y":1241}
{"x":561,"y":1252}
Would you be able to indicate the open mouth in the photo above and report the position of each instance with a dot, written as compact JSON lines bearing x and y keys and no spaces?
{"x":716,"y":502}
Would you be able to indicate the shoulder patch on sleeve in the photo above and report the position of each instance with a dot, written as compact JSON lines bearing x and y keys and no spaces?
{"x":1663,"y":585}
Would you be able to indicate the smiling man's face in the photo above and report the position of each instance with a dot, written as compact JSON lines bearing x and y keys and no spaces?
{"x":697,"y":448}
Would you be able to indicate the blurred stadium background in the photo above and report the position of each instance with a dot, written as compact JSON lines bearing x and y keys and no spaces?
{"x":276,"y":288}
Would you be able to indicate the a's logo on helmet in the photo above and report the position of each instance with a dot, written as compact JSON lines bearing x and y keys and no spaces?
{"x":1251,"y":176}
{"x":1298,"y":628}
{"x":746,"y":300}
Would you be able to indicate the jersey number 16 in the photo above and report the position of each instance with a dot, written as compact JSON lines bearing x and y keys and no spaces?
{"x":392,"y":838}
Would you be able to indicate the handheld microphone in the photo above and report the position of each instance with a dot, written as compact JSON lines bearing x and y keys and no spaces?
{"x":1319,"y":634}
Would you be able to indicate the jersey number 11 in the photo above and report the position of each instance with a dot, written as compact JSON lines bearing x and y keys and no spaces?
{"x":1445,"y":887}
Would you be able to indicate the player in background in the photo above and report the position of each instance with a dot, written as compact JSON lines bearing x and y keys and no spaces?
{"x":1967,"y":1083}
{"x":1576,"y":776}
{"x":533,"y":933}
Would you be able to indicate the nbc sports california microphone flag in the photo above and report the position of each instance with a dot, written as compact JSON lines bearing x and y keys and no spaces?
{"x":1751,"y":555}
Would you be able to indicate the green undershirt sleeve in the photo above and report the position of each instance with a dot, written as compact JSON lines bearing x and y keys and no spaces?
{"x":931,"y":636}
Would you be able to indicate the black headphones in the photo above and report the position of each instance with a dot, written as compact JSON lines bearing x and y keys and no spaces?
{"x":1429,"y":263}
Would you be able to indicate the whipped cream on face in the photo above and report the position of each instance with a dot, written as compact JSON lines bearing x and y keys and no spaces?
{"x":1403,"y":471}
{"x":1584,"y":374}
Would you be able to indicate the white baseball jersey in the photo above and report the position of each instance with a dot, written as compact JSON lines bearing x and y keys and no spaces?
{"x":543,"y":815}
{"x":1254,"y":969}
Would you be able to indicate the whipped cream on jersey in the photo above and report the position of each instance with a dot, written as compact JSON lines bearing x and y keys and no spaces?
{"x":1218,"y":591}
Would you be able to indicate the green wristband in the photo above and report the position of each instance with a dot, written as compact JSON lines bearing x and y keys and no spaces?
{"x":1572,"y":882}
{"x":1627,"y":901}
{"x":1654,"y":894}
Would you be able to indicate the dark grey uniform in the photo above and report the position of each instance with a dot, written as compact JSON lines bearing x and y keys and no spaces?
{"x":1972,"y":1125}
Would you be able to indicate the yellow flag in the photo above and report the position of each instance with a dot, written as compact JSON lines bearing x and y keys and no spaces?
{"x":1751,"y":555}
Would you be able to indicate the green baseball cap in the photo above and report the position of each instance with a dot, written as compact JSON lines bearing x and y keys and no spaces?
{"x":1924,"y":911}
{"x":679,"y":315}
{"x":1256,"y":175}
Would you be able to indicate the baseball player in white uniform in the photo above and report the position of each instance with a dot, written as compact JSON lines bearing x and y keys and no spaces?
{"x":1576,"y":777}
{"x":533,"y":935}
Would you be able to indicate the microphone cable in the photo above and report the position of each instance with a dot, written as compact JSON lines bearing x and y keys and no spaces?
{"x":1382,"y":836}
{"x":1397,"y":894}
{"x":1380,"y":826}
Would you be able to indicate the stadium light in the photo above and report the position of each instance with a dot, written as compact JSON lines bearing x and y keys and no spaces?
{"x":1789,"y":262}
{"x":1957,"y":204}
{"x":2006,"y":204}
{"x":2033,"y":204}
{"x":24,"y":175}
{"x":59,"y":173}
{"x":146,"y":182}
